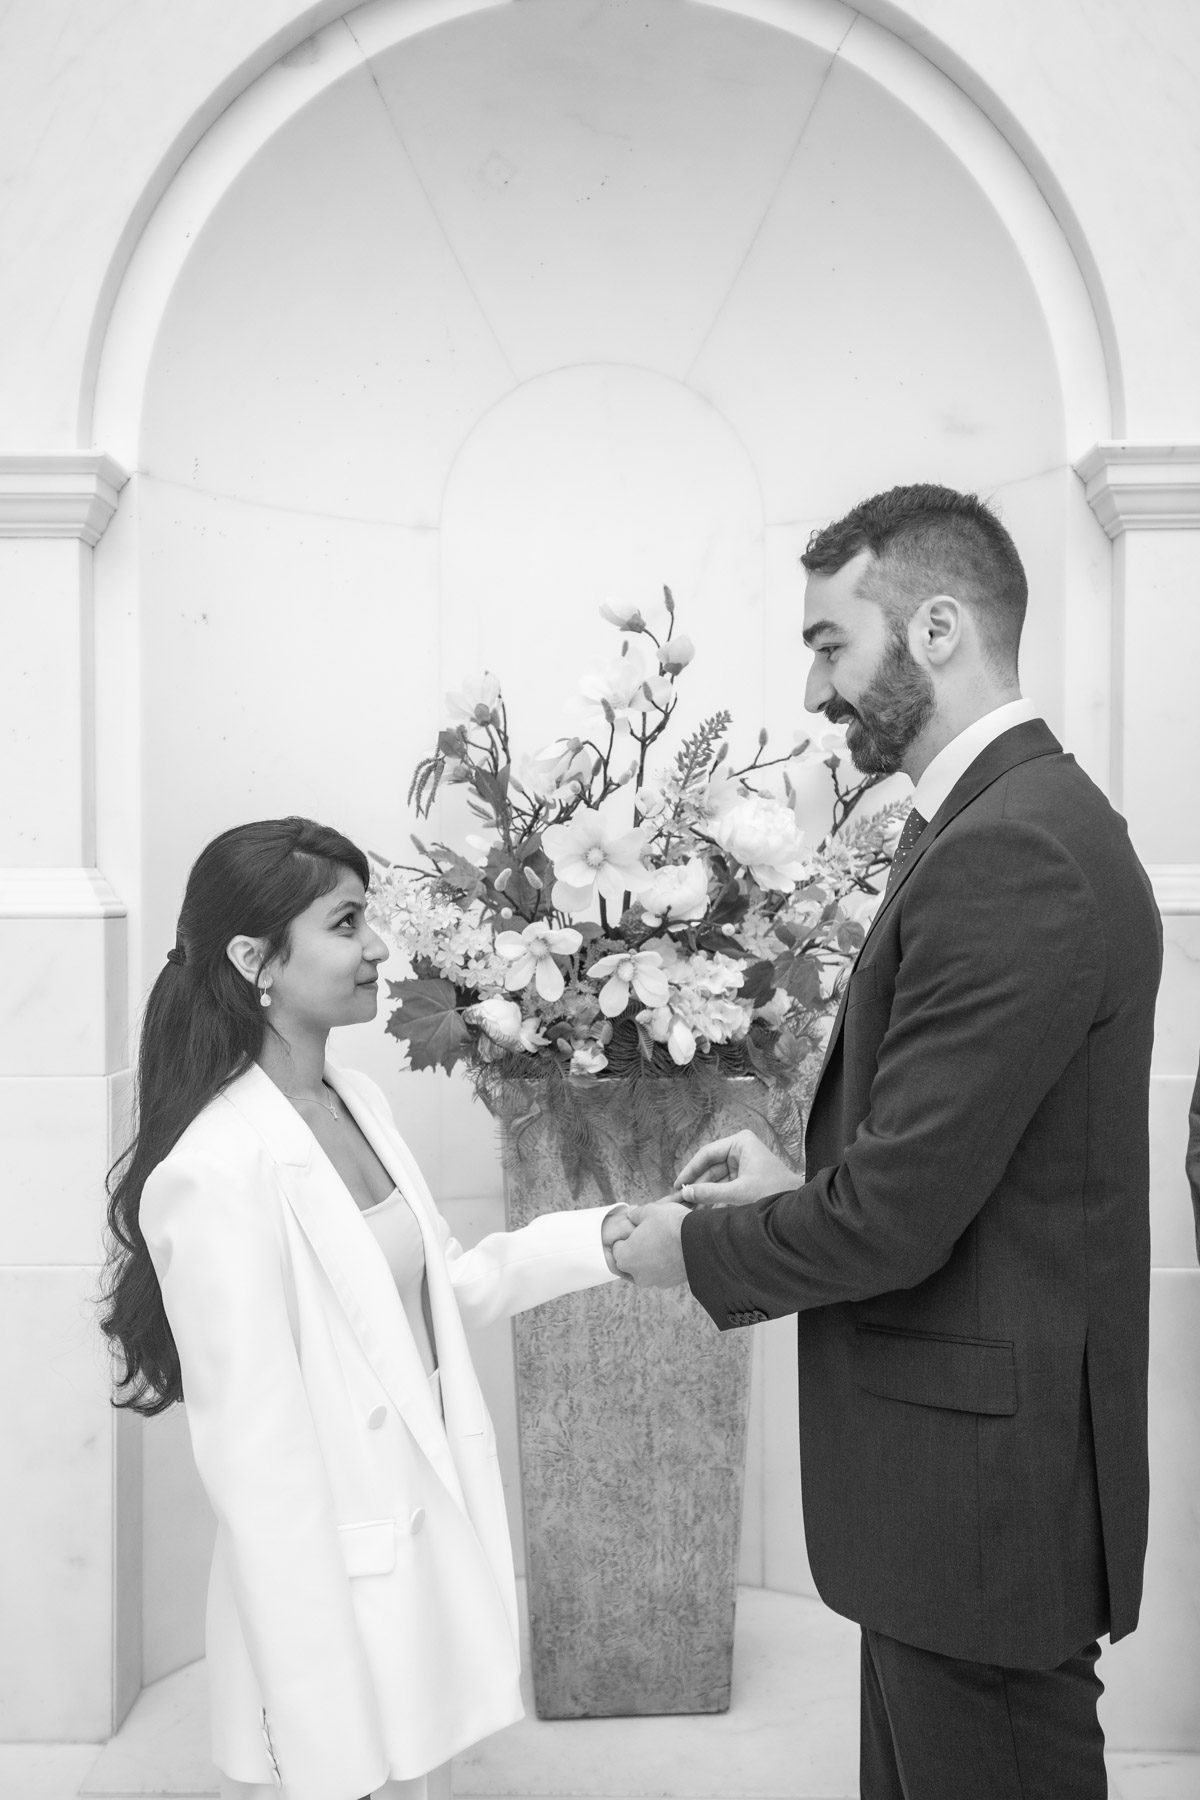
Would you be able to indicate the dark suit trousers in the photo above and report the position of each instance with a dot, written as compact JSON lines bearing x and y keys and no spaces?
{"x":934,"y":1728}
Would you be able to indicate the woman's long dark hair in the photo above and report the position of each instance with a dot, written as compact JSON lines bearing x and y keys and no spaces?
{"x":203,"y":1024}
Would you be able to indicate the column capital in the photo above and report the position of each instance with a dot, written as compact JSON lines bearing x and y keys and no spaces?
{"x":58,"y":893}
{"x":58,"y":493}
{"x":1176,"y":886}
{"x":1143,"y":487}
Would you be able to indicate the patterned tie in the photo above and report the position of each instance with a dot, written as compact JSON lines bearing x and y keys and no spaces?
{"x":914,"y":825}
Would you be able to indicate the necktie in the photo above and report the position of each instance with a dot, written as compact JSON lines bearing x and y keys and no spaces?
{"x":914,"y":825}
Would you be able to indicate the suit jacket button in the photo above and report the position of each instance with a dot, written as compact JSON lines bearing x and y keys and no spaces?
{"x":377,"y":1417}
{"x":416,"y":1523}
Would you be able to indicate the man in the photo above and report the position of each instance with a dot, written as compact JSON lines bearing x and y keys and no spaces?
{"x":968,"y":1254}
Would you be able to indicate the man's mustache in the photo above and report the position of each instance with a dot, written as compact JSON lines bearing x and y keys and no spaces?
{"x":837,"y":712}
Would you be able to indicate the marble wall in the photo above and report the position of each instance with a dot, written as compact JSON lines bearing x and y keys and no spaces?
{"x":419,"y":333}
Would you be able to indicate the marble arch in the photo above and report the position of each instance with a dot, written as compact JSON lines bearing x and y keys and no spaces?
{"x":160,"y":734}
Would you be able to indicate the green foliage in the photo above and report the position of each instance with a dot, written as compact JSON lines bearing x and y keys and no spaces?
{"x":695,"y":759}
{"x":427,"y":1015}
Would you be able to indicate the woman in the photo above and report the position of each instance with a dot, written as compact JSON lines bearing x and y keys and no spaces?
{"x":279,"y":1263}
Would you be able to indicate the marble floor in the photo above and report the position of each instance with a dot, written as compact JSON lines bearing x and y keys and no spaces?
{"x":790,"y":1734}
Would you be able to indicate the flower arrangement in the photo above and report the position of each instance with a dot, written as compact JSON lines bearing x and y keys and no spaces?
{"x":622,"y":918}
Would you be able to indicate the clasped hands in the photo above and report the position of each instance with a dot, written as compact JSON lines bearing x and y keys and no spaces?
{"x":645,"y":1242}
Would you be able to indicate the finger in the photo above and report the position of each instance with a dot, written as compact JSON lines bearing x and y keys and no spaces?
{"x":706,"y":1161}
{"x":618,"y":1256}
{"x":638,"y":1213}
{"x":716,"y":1193}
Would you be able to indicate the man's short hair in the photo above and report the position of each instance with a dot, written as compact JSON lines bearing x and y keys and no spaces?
{"x":932,"y":540}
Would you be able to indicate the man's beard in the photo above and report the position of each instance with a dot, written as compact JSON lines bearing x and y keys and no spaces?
{"x":892,"y":711}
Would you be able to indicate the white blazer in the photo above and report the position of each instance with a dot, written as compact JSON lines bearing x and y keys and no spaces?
{"x":362,"y":1617}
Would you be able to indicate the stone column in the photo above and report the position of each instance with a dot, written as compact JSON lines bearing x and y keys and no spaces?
{"x":1147,"y":497}
{"x":70,"y":1501}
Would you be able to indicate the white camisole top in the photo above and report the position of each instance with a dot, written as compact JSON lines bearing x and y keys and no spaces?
{"x":395,"y":1229}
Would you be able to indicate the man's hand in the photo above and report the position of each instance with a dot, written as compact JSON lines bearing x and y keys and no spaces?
{"x":734,"y":1171}
{"x":653,"y":1256}
{"x":615,"y":1227}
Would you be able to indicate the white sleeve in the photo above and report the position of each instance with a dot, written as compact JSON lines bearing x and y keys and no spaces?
{"x":507,"y":1271}
{"x":218,"y":1254}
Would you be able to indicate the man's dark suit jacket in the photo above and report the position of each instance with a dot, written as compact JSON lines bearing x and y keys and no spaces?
{"x":969,"y":1254}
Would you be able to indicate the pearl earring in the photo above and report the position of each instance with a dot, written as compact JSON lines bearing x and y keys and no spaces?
{"x":264,"y":999}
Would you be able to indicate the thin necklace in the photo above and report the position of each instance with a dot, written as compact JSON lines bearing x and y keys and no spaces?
{"x":313,"y":1100}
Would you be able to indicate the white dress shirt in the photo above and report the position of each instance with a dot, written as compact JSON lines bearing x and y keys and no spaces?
{"x":952,"y":762}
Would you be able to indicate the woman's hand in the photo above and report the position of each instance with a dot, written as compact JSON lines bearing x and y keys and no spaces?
{"x":734,"y":1171}
{"x":614,"y":1228}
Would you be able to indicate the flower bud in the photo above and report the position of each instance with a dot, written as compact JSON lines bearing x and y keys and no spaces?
{"x":623,"y":615}
{"x":676,"y":654}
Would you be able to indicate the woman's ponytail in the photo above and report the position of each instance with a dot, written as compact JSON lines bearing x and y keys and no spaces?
{"x":202,"y":1026}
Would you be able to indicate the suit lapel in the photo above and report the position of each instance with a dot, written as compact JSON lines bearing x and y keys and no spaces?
{"x":1020,"y":744}
{"x":346,"y":1249}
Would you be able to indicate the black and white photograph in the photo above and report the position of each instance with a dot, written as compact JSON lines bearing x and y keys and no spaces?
{"x":599,"y":900}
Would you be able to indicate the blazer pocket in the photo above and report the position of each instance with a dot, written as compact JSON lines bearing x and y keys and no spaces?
{"x":977,"y":1375}
{"x":369,"y":1549}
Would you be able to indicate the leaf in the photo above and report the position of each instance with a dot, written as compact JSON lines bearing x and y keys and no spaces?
{"x":457,"y":873}
{"x":758,"y":983}
{"x":428,"y":1019}
{"x":800,"y":976}
{"x":850,"y":936}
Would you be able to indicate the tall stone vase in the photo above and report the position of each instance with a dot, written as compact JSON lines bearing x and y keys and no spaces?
{"x":632,"y":1426}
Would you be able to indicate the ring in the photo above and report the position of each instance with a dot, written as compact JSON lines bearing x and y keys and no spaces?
{"x":687,"y":1193}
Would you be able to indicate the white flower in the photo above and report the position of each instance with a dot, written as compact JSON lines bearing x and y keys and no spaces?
{"x":677,"y":892}
{"x":501,"y":1021}
{"x":558,"y":772}
{"x":591,"y":853}
{"x":531,"y":953}
{"x":666,"y":1027}
{"x":675,"y":655}
{"x":629,"y":684}
{"x":651,"y":802}
{"x":776,"y":1009}
{"x":641,"y":970}
{"x":588,"y":1059}
{"x":762,"y":835}
{"x":623,"y":614}
{"x":475,"y":701}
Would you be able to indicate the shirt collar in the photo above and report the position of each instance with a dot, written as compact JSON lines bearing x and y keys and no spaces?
{"x":953,"y":761}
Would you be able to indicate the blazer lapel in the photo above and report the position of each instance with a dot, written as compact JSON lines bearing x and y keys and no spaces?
{"x":345,"y":1247}
{"x":462,"y":1400}
{"x":1021,"y":743}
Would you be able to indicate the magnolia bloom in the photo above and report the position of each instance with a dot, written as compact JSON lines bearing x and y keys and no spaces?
{"x":475,"y":701}
{"x":666,"y":1027}
{"x":629,"y":684}
{"x":651,"y":802}
{"x":590,"y":853}
{"x":762,"y":835}
{"x":641,"y":970}
{"x":677,"y":892}
{"x":623,"y":614}
{"x":556,"y":773}
{"x":530,"y":955}
{"x":675,"y":655}
{"x":501,"y":1021}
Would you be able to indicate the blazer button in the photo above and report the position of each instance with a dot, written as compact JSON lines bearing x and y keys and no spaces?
{"x":377,"y":1417}
{"x":417,"y":1522}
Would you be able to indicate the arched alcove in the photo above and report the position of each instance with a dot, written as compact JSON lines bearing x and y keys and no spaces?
{"x":563,"y":294}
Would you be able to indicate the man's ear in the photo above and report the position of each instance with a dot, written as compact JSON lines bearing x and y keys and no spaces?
{"x":935,"y":630}
{"x":246,"y":954}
